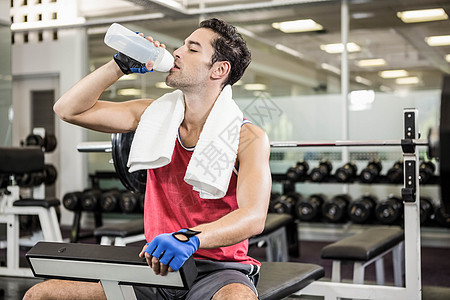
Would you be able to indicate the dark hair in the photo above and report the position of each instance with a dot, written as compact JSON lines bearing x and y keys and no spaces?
{"x":229,"y":46}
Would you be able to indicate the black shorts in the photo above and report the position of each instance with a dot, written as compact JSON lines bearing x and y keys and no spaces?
{"x":211,"y":277}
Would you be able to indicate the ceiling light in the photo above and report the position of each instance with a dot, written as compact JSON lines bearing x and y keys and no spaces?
{"x":289,"y":50}
{"x":393,"y":73}
{"x":132,"y":76}
{"x":438,"y":40}
{"x":298,"y":26}
{"x":422,"y":15}
{"x":162,"y":85}
{"x":363,"y":80}
{"x":338,"y":48}
{"x":330,"y":68}
{"x":447,"y":57}
{"x":129,"y":92}
{"x":255,"y":87}
{"x":362,"y":15}
{"x":371,"y":62}
{"x":407,"y":80}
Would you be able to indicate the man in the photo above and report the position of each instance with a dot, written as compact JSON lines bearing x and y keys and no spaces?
{"x":177,"y":220}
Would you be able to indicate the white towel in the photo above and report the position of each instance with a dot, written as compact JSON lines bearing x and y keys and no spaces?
{"x":211,"y":165}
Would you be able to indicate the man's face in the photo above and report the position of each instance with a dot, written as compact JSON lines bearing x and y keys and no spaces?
{"x":192,"y":60}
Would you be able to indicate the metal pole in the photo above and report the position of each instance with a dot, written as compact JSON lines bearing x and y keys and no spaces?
{"x":289,"y":144}
{"x":344,"y":75}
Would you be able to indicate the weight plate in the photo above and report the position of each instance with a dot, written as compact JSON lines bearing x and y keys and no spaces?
{"x":121,"y":144}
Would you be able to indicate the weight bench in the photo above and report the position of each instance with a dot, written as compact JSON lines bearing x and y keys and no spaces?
{"x":365,"y":248}
{"x":119,"y":267}
{"x":274,"y":237}
{"x":19,"y":161}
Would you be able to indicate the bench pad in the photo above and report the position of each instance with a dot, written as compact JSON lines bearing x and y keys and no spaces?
{"x":275,"y":221}
{"x":19,"y":160}
{"x":281,"y":279}
{"x":365,"y":245}
{"x":124,"y":229}
{"x":45,"y":203}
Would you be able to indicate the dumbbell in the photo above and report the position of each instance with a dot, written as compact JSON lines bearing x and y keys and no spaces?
{"x":319,"y":173}
{"x":389,"y":211}
{"x":309,"y":209}
{"x":346,"y":172}
{"x":335,"y":210}
{"x":426,"y":209}
{"x":47,"y":143}
{"x":72,"y":201}
{"x":441,"y":218}
{"x":285,"y":204}
{"x":371,"y":172}
{"x":50,"y":174}
{"x":90,"y":200}
{"x":109,"y":200}
{"x":30,"y":179}
{"x":395,"y":173}
{"x":297,"y":172}
{"x":362,"y":210}
{"x":426,"y":170}
{"x":129,"y":202}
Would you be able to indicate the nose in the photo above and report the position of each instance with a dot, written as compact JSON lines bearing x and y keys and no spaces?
{"x":177,"y":52}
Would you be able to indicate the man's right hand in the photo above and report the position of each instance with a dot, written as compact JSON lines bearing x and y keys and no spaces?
{"x":129,"y":65}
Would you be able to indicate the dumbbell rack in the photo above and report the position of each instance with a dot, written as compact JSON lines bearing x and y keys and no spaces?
{"x":411,"y":197}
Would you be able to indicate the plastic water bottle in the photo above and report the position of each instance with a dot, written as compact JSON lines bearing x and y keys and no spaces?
{"x":135,"y":46}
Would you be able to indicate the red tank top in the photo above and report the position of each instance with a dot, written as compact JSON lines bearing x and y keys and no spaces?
{"x":171,"y":204}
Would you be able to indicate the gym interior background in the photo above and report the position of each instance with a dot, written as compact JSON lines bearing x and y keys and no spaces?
{"x":297,"y":88}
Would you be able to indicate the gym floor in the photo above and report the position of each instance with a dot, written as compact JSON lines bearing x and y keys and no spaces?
{"x":435,"y":270}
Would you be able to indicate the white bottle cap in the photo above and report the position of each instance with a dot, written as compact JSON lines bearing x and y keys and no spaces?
{"x":164,"y":62}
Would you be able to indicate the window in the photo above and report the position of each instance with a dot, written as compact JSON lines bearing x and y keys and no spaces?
{"x":25,"y":18}
{"x":25,"y":37}
{"x":40,"y":36}
{"x":54,"y":15}
{"x":55,"y":35}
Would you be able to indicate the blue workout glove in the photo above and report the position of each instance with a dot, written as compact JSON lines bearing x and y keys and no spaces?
{"x":174,"y":249}
{"x":129,"y":65}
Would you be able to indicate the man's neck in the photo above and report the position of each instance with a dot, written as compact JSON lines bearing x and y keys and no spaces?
{"x":198,"y":105}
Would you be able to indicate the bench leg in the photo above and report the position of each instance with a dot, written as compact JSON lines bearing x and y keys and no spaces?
{"x":336,"y":271}
{"x":379,"y":269}
{"x":358,"y":273}
{"x":107,"y":240}
{"x":397,"y":260}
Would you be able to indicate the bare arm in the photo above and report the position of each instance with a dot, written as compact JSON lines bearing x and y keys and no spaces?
{"x":253,"y":194}
{"x":80,"y":104}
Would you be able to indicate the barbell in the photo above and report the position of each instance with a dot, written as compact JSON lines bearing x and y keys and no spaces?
{"x":437,"y":143}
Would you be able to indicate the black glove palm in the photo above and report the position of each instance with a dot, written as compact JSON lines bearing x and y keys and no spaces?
{"x":129,"y":65}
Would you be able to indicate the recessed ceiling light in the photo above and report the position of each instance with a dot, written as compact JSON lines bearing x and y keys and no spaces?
{"x":438,"y":40}
{"x":298,"y":26}
{"x":255,"y":87}
{"x":162,"y":85}
{"x":129,"y":92}
{"x":363,"y":80}
{"x":393,"y":73}
{"x":288,"y":50}
{"x":447,"y":57}
{"x":422,"y":15}
{"x":339,"y":47}
{"x":330,"y":68}
{"x":407,"y":80}
{"x":371,"y":62}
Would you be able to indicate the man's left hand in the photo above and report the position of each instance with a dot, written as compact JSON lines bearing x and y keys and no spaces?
{"x":170,"y":250}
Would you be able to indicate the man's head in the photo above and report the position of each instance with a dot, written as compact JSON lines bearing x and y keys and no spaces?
{"x":228,"y":46}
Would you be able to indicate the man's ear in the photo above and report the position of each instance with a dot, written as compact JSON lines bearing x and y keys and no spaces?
{"x":220,"y":70}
